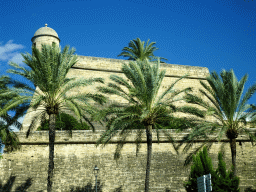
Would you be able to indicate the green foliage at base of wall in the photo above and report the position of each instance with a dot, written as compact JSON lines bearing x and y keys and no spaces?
{"x":65,"y":122}
{"x":222,"y":180}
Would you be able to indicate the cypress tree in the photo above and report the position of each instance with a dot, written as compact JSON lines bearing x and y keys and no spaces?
{"x":221,"y":179}
{"x":202,"y":165}
{"x":225,"y":180}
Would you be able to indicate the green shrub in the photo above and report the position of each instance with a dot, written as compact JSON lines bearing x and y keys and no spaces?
{"x":222,"y":180}
{"x":202,"y":165}
{"x":65,"y":122}
{"x":225,"y":180}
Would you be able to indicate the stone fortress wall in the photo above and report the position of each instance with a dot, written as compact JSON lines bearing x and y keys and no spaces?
{"x":91,"y":67}
{"x":76,"y":157}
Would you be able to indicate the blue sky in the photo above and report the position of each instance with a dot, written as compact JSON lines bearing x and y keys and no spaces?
{"x":213,"y":34}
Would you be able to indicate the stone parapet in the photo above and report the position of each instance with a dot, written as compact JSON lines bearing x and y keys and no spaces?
{"x":115,"y":65}
{"x":90,"y":137}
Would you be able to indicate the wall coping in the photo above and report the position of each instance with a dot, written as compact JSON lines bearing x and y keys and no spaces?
{"x":90,"y":137}
{"x":127,"y":61}
{"x":85,"y":63}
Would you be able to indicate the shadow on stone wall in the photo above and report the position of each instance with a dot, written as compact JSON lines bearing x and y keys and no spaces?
{"x":24,"y":187}
{"x":88,"y":188}
{"x":249,"y":189}
{"x":119,"y":189}
{"x":9,"y":184}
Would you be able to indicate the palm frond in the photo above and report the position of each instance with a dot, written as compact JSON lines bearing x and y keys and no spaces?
{"x":124,"y":134}
{"x":15,"y":102}
{"x":138,"y":140}
{"x":137,"y":51}
{"x":249,"y":93}
{"x":169,"y":89}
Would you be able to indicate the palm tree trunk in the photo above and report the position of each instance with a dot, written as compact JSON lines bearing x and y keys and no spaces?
{"x":51,"y":151}
{"x":233,"y":153}
{"x":149,"y":145}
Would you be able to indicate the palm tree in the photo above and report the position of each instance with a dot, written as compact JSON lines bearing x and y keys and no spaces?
{"x":48,"y":73}
{"x":7,"y":136}
{"x":145,"y":109}
{"x":137,"y":51}
{"x":224,"y":102}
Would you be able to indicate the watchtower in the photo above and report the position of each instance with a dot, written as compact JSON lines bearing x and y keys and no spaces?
{"x":45,"y":35}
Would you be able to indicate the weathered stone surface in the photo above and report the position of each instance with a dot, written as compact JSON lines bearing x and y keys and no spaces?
{"x":76,"y":157}
{"x":91,"y":67}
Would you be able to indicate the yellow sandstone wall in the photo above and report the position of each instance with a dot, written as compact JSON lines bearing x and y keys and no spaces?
{"x":76,"y":157}
{"x":91,"y":67}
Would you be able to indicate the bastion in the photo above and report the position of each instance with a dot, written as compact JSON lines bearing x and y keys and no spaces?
{"x":76,"y":156}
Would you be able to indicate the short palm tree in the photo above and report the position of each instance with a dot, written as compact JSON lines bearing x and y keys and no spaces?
{"x":225,"y":103}
{"x":7,"y":136}
{"x":48,"y":73}
{"x":146,"y":110}
{"x":136,"y":51}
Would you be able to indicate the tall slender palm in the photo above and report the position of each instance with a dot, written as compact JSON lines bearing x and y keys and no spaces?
{"x":137,"y":51}
{"x":145,"y":109}
{"x":225,"y":103}
{"x":7,"y":136}
{"x":48,"y":73}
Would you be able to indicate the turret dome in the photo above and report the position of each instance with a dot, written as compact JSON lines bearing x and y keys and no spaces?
{"x":45,"y":31}
{"x":45,"y":35}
